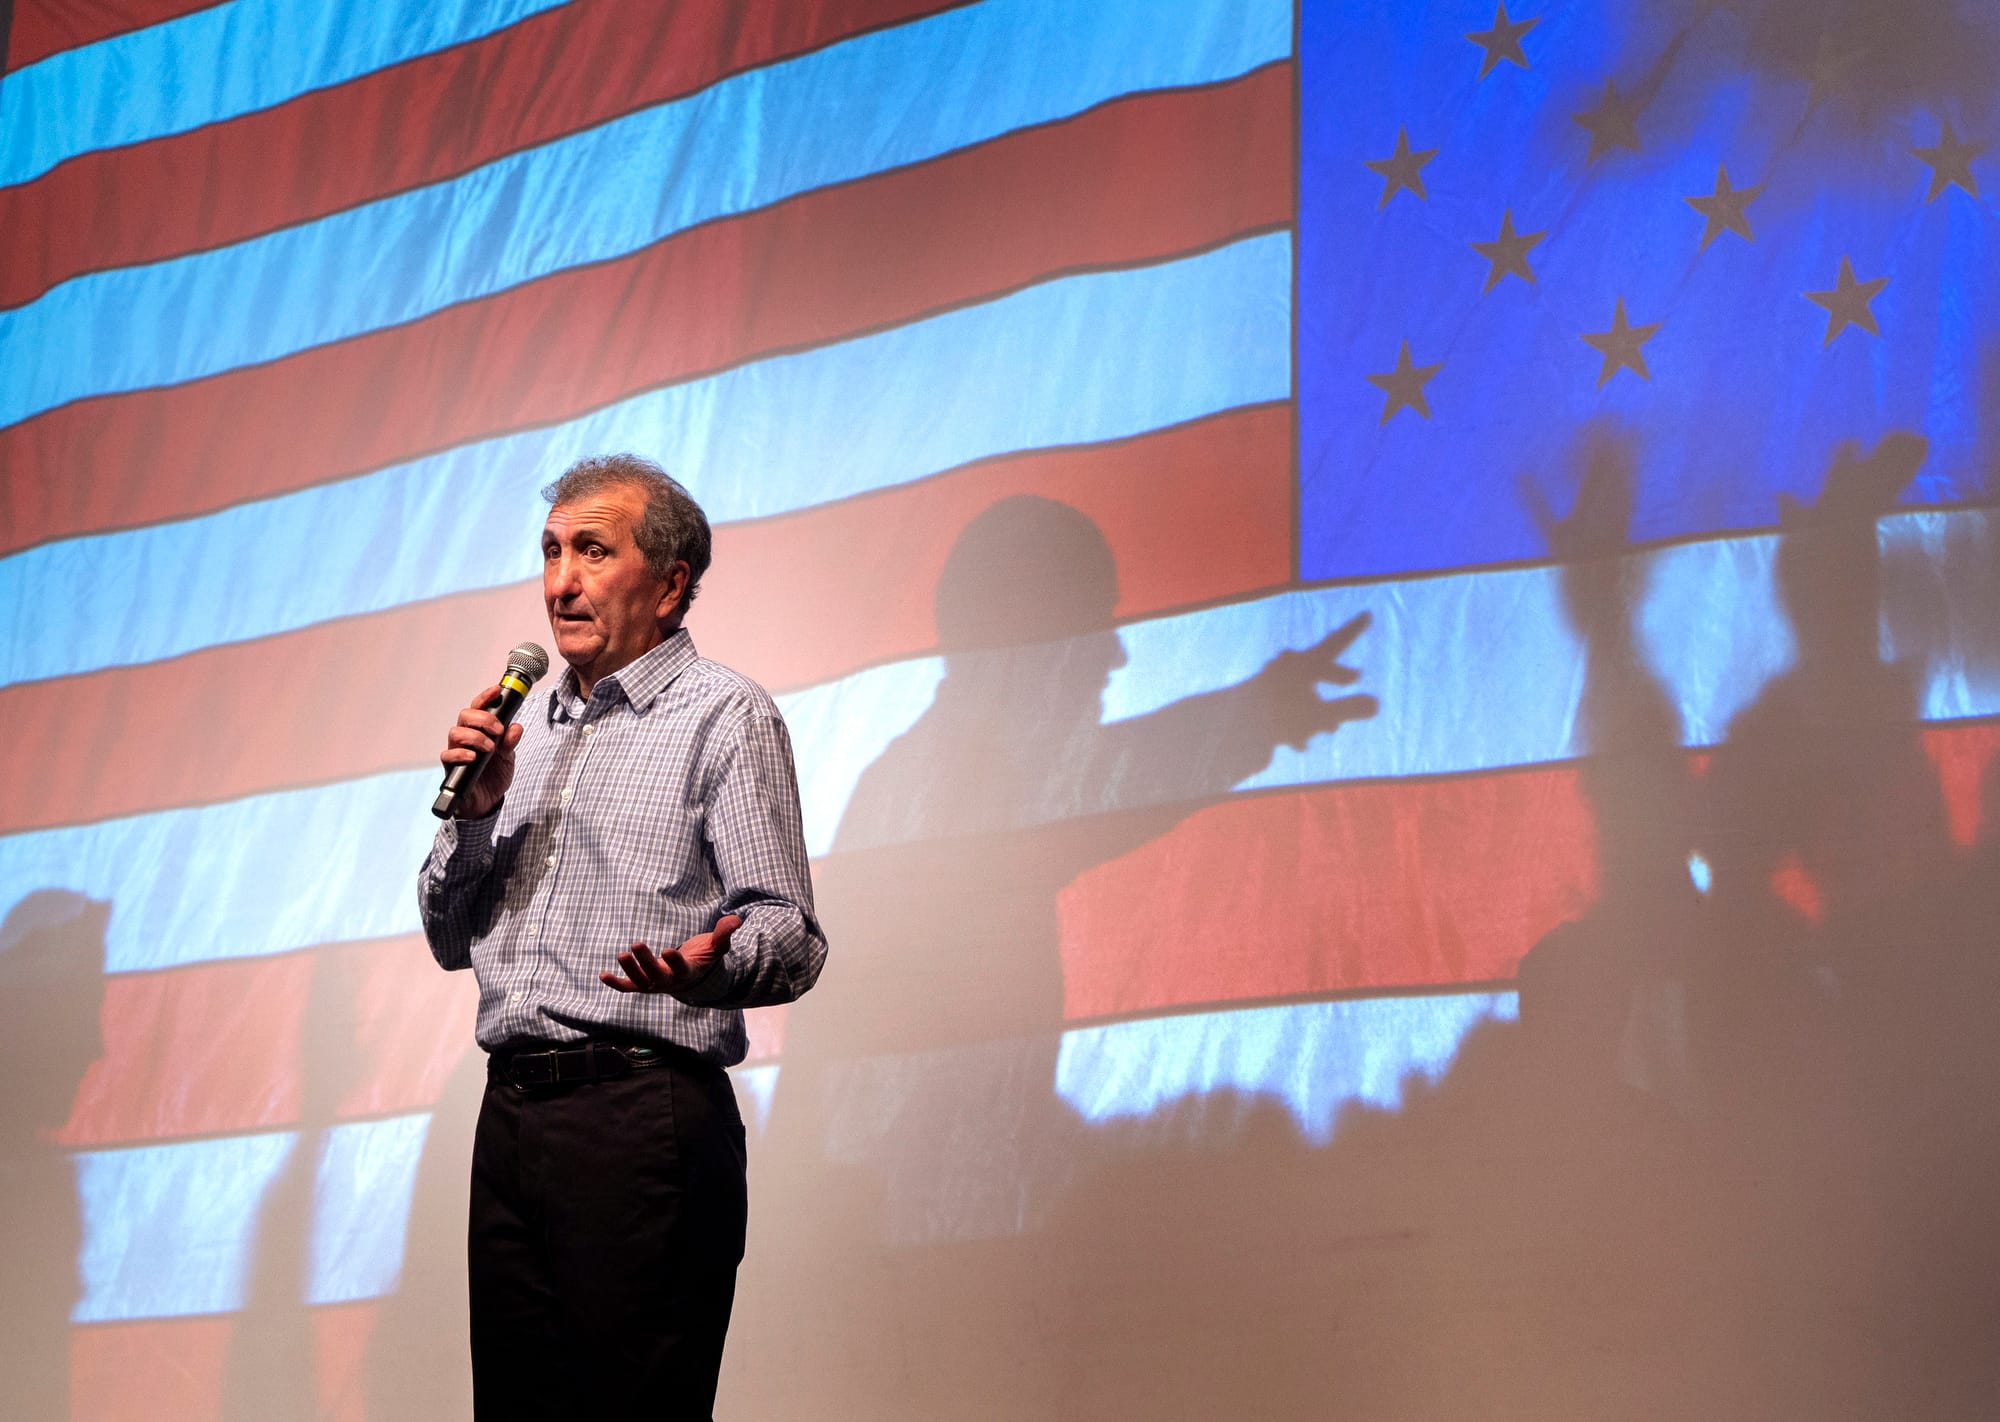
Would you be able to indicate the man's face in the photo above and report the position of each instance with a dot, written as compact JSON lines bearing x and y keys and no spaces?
{"x":605,"y":607}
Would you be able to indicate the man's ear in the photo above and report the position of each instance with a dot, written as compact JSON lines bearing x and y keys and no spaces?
{"x":670,"y":595}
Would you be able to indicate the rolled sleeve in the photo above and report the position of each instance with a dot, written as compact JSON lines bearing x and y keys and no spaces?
{"x":453,"y":888}
{"x":758,"y":839}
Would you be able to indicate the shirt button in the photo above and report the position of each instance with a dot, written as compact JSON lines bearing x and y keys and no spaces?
{"x":533,"y":930}
{"x":591,"y":729}
{"x":566,"y":794}
{"x":552,"y":861}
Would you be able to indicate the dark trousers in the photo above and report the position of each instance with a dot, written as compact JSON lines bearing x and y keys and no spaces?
{"x":606,"y":1226}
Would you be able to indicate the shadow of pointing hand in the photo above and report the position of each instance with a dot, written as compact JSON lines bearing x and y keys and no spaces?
{"x":1289,"y":684}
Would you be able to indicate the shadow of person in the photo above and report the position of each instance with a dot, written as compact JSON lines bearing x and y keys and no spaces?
{"x":1911,"y":958}
{"x":1824,"y":815}
{"x":418,"y":1364}
{"x":1611,"y":985}
{"x":916,"y":1136}
{"x":1515,"y":1240}
{"x":1010,"y":785}
{"x":1828,"y":837}
{"x":51,"y":997}
{"x":274,"y":1370}
{"x":1920,"y":981}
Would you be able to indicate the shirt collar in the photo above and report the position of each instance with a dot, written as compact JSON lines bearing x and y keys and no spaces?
{"x":639,"y":682}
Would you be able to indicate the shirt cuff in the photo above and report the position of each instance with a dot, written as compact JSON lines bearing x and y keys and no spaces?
{"x":717,"y":985}
{"x":464,"y":846}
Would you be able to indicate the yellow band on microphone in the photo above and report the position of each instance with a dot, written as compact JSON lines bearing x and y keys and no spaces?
{"x":513,"y":681}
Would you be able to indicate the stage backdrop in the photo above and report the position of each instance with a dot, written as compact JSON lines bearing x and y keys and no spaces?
{"x":1387,"y":612}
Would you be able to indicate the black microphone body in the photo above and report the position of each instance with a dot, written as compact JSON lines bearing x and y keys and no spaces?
{"x":525,"y":665}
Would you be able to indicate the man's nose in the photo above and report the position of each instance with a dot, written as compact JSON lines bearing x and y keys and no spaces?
{"x":560,"y":578}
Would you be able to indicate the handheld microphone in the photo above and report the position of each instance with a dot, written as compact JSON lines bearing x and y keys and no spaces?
{"x":525,"y":666}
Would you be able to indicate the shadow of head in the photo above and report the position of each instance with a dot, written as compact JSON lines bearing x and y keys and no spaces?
{"x":1026,"y":600}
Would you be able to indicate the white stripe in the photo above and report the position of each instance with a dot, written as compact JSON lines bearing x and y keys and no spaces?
{"x":361,"y":1208}
{"x":168,"y":1229}
{"x":1316,"y":1059}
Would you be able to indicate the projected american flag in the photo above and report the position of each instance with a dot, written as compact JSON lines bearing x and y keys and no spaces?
{"x":302,"y":304}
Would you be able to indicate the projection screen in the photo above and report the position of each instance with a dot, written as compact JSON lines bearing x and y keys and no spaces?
{"x":1387,"y":612}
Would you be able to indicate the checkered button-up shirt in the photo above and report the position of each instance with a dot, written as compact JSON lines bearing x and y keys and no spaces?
{"x":641,"y":815}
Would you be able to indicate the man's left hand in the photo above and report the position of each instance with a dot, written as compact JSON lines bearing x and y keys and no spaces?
{"x":677,"y":969}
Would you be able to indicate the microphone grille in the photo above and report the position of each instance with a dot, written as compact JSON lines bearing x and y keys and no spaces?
{"x":529,"y":660}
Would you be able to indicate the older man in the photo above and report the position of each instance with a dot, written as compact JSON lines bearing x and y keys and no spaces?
{"x":643,"y":800}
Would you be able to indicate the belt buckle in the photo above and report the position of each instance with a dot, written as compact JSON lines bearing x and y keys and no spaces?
{"x":526,"y":1070}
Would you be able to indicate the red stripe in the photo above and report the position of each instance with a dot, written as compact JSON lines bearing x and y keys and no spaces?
{"x":363,"y":1029}
{"x":1346,"y":889}
{"x":161,"y":1368}
{"x":175,"y":1044}
{"x":791,"y":601}
{"x":1964,"y":756}
{"x":1138,"y":180}
{"x":427,"y":119}
{"x":404,"y":1022}
{"x":45,"y":27}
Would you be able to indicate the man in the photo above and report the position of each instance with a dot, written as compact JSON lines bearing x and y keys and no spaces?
{"x":645,"y":797}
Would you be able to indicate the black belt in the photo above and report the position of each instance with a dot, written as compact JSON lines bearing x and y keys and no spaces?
{"x":571,"y":1066}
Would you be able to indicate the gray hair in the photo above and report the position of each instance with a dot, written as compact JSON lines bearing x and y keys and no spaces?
{"x":673,"y":529}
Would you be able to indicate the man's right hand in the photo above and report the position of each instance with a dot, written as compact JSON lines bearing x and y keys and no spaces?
{"x":476,"y":730}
